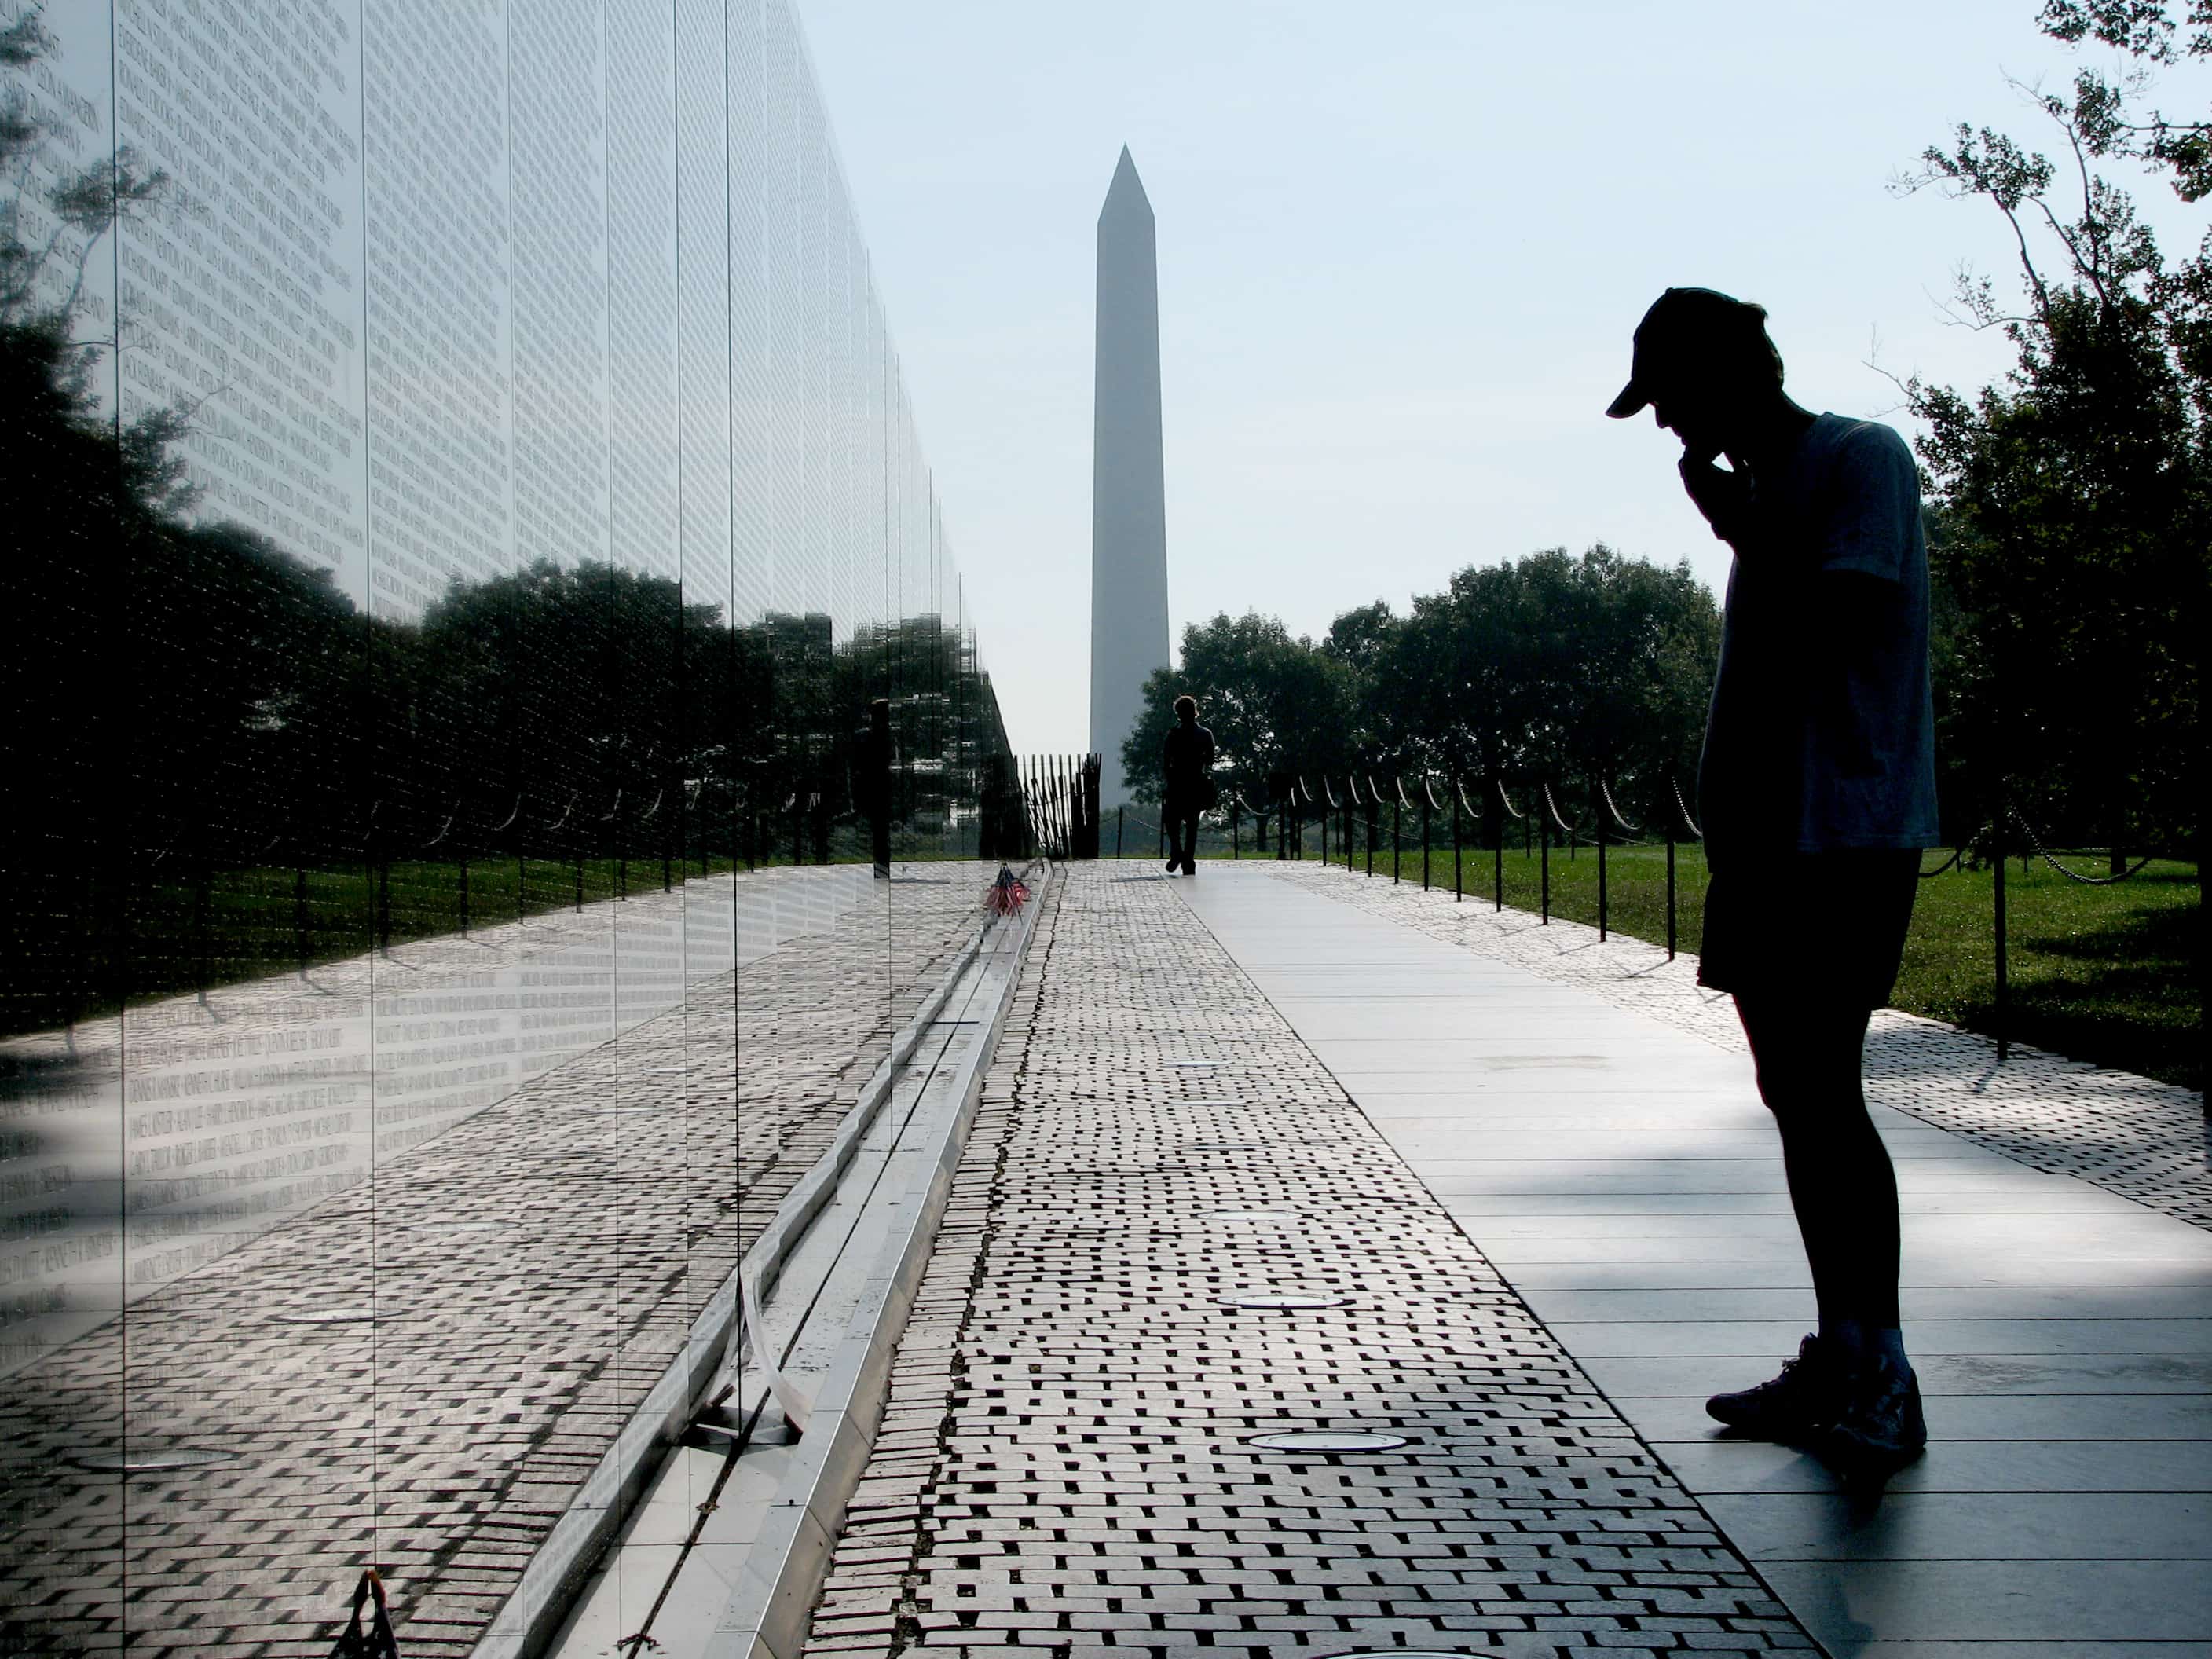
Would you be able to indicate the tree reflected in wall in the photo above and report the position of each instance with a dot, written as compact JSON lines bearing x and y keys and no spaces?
{"x":208,"y":737}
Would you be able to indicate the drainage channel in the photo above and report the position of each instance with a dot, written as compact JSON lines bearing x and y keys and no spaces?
{"x":737,"y":1519}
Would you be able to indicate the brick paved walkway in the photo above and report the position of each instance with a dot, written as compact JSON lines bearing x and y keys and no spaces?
{"x":2133,"y":1135}
{"x":1066,"y":1462}
{"x":532,"y":1270}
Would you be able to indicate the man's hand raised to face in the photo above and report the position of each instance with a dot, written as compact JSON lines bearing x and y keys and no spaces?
{"x":1723,"y":497}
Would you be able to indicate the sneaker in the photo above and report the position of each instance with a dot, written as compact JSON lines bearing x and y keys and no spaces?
{"x":1807,"y":1397}
{"x":1881,"y":1427}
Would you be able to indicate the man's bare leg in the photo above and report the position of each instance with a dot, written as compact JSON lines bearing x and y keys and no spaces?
{"x":1851,"y":1385}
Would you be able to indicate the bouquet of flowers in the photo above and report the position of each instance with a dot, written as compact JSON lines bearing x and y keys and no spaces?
{"x":1006,"y":896}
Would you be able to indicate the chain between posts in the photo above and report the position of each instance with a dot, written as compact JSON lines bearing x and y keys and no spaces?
{"x":1552,"y":806}
{"x":1606,"y":790}
{"x":1548,"y":816}
{"x":2042,"y":852}
{"x":1682,"y":806}
{"x":1957,"y":853}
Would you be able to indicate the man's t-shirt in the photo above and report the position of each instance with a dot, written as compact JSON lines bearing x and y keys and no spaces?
{"x":1185,"y":757}
{"x":1820,"y":735}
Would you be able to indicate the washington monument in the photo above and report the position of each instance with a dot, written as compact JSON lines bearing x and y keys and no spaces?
{"x":1128,"y":496}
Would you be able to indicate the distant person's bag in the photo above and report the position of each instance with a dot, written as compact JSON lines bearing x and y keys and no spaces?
{"x":376,"y":1642}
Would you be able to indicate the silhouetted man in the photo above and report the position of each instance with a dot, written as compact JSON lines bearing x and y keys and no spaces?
{"x":1187,"y":774}
{"x":1817,"y":789}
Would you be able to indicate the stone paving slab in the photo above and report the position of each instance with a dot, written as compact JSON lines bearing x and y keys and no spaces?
{"x":1066,"y":1462}
{"x":2146,"y":1140}
{"x":2060,"y":1328}
{"x":532,"y":1271}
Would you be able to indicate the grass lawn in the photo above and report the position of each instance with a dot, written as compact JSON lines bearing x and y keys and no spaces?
{"x":2102,"y":974}
{"x":252,"y":926}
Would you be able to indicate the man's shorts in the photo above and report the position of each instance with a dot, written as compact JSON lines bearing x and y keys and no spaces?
{"x":1828,"y":927}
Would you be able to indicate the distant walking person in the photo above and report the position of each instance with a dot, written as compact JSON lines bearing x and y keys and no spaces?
{"x":1817,"y":790}
{"x":1187,"y":776}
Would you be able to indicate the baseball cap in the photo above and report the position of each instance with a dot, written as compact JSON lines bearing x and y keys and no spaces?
{"x":1684,"y":329}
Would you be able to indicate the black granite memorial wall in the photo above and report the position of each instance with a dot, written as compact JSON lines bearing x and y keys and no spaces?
{"x":458,"y":503}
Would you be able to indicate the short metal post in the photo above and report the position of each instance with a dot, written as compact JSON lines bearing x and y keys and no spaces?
{"x":1601,"y":875}
{"x":300,"y":935}
{"x":465,"y":896}
{"x":579,"y":884}
{"x":1670,"y":891}
{"x":202,"y":901}
{"x":1545,"y":836}
{"x":1117,"y":831}
{"x":1424,"y":838}
{"x":1497,"y":867}
{"x":1458,"y":891}
{"x":1997,"y":863}
{"x":1397,"y":839}
{"x":1372,"y":819}
{"x":875,"y":793}
{"x":1236,"y":832}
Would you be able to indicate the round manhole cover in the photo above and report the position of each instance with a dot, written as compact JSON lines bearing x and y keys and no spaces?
{"x":148,"y":1463}
{"x":326,"y":1316}
{"x":1285,"y":1299}
{"x":1329,"y":1440}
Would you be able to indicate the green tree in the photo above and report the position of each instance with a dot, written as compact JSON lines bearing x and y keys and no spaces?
{"x":1273,"y":703}
{"x":1553,"y":667}
{"x":2075,"y":498}
{"x":1549,"y":667}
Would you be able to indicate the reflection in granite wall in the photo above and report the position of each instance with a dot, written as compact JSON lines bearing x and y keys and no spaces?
{"x":458,"y":506}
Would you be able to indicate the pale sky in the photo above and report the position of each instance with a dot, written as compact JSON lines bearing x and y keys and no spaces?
{"x":1402,"y":249}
